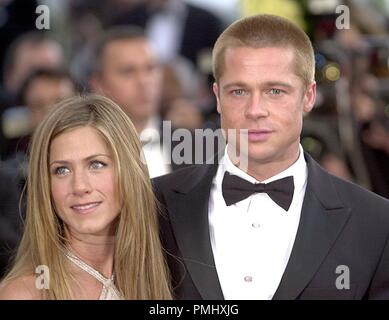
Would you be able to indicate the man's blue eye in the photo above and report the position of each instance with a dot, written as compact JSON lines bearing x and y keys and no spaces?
{"x":276,"y":91}
{"x":238,"y":92}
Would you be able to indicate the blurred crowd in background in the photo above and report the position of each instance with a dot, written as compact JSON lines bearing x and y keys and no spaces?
{"x":347,"y":131}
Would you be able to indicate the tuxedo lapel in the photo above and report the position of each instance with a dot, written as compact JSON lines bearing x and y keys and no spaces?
{"x":323,"y":217}
{"x":188,"y":208}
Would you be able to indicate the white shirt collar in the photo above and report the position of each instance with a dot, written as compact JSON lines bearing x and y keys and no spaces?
{"x":151,"y":133}
{"x":254,"y":223}
{"x":298,"y":170}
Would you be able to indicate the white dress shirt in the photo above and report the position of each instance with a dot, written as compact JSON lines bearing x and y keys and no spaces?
{"x":252,"y":239}
{"x":165,"y":30}
{"x":155,"y":153}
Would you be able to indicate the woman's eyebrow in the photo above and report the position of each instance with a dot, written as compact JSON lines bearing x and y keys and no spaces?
{"x":85,"y":159}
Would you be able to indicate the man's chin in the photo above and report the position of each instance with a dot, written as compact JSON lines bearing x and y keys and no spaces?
{"x":260,"y":154}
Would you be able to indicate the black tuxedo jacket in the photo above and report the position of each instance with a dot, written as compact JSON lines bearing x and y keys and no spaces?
{"x":200,"y":28}
{"x":341,"y":224}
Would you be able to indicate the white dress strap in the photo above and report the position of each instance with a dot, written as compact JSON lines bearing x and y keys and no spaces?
{"x":109,"y":291}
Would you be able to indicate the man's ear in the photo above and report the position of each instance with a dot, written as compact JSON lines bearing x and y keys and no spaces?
{"x":309,"y":97}
{"x":216,"y":92}
{"x":95,"y":83}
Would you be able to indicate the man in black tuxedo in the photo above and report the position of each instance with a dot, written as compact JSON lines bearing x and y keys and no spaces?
{"x":266,"y":221}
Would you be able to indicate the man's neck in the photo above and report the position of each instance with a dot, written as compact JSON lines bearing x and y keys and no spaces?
{"x":264,"y":169}
{"x":140,"y":125}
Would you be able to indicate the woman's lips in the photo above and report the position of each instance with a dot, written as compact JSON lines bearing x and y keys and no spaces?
{"x":85,"y":208}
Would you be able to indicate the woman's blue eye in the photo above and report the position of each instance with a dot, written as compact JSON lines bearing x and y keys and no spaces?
{"x":61,"y":171}
{"x":97,"y":165}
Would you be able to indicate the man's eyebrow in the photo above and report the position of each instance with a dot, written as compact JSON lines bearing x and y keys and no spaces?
{"x":233,"y":84}
{"x":85,"y":159}
{"x":240,"y":84}
{"x":278,"y":84}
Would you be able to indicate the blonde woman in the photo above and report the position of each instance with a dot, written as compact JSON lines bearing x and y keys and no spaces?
{"x":91,"y":229}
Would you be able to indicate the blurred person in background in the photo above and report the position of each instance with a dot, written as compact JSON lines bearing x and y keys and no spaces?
{"x":351,"y":70}
{"x":28,"y":52}
{"x":42,"y":89}
{"x":373,"y":130}
{"x":175,"y":28}
{"x":178,"y":29}
{"x":39,"y":93}
{"x":364,"y":66}
{"x":128,"y":71}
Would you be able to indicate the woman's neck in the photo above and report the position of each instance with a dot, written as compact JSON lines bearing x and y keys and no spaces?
{"x":96,"y":251}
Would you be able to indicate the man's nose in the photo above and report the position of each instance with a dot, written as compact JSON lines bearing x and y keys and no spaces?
{"x":256,"y":107}
{"x":145,"y":77}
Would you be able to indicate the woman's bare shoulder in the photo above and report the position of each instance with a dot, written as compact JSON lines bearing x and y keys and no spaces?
{"x":21,"y":288}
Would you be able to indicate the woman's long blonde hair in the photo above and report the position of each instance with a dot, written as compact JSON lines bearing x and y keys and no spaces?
{"x":139,"y":266}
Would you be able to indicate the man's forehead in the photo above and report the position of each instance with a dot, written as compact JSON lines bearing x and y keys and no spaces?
{"x":138,"y":49}
{"x":285,"y":50}
{"x":133,"y":43}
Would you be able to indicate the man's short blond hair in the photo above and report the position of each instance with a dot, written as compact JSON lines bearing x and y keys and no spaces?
{"x":262,"y":31}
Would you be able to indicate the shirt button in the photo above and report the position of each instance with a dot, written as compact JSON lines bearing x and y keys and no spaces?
{"x":248,"y":278}
{"x":255,"y":225}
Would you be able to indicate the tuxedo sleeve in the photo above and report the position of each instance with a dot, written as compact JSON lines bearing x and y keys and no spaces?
{"x":168,"y":242}
{"x":379,"y":288}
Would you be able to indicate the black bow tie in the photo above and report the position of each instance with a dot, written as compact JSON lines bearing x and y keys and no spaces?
{"x":236,"y":189}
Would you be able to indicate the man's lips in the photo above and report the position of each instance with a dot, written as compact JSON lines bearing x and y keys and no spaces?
{"x":259,"y":134}
{"x":85,"y":207}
